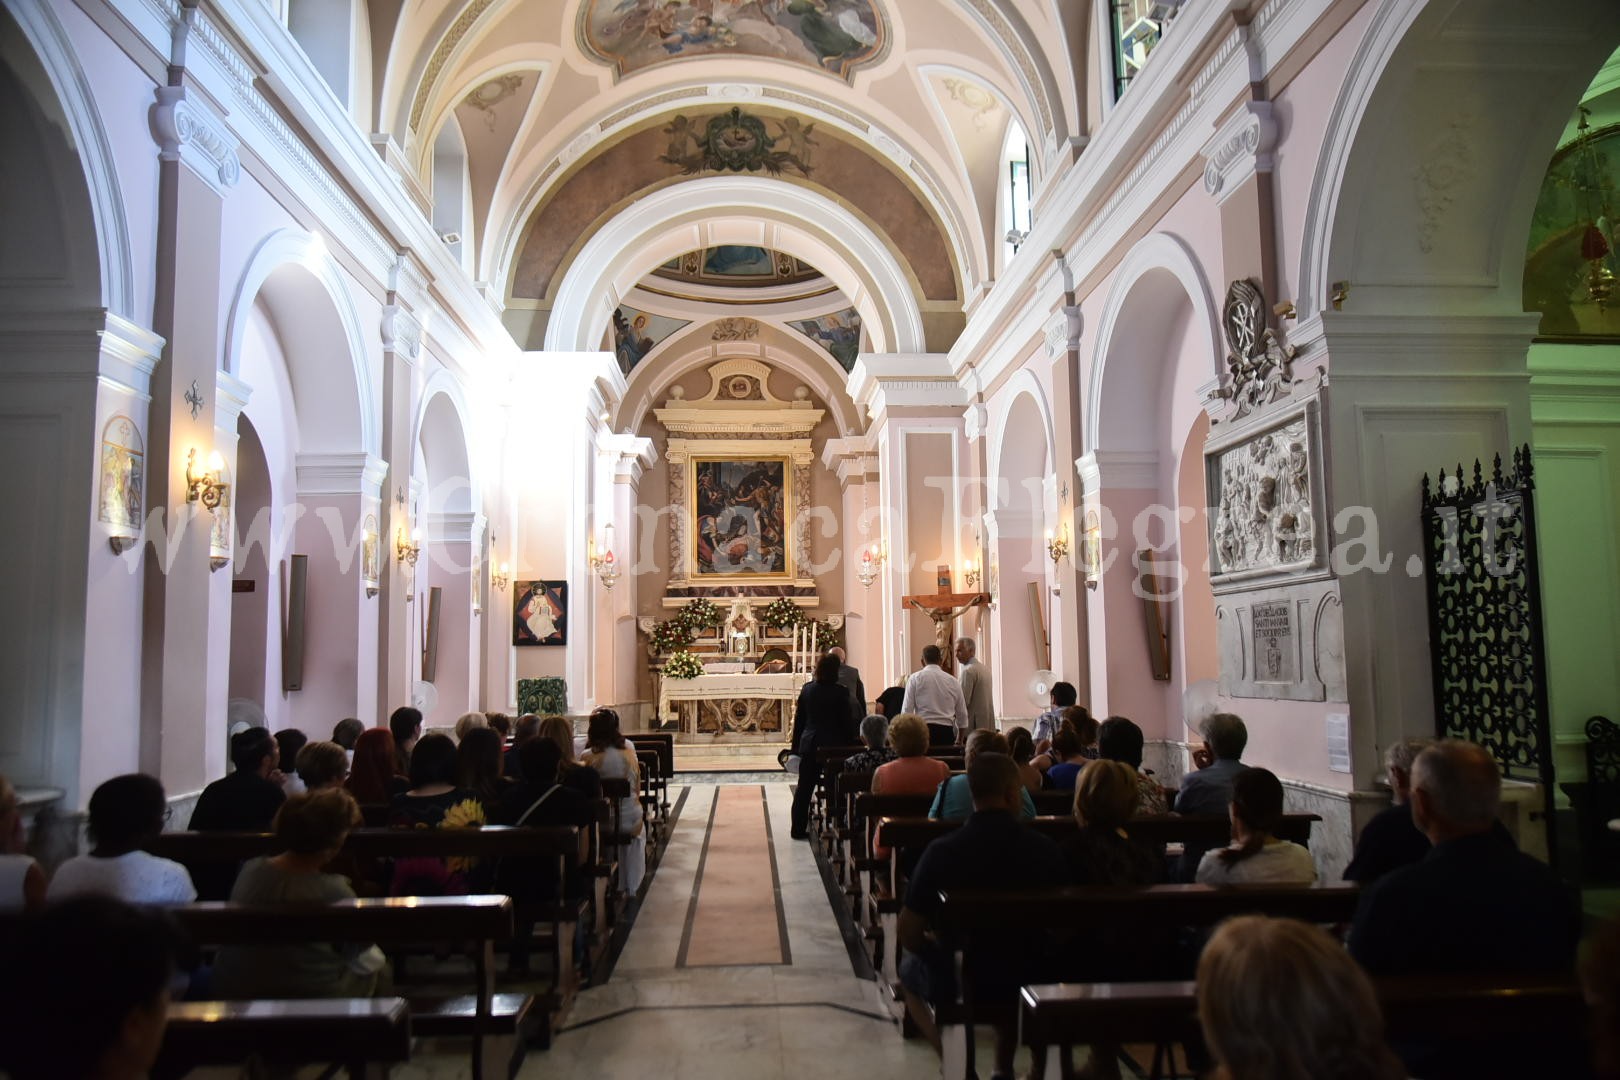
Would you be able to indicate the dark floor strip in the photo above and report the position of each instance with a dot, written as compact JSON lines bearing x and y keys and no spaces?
{"x":776,"y":879}
{"x":697,"y":883}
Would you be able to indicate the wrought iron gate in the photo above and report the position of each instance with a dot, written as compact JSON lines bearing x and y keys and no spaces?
{"x":1485,"y":632}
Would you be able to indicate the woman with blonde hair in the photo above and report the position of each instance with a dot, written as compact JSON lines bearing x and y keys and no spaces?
{"x":912,"y":772}
{"x":467,"y":721}
{"x":1102,"y":851}
{"x":1281,"y":1000}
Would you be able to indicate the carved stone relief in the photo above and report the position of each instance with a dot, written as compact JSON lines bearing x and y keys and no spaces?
{"x":1259,"y":367}
{"x":1265,"y":518}
{"x":1283,"y":643}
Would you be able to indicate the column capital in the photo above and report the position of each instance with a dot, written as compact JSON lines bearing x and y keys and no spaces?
{"x":1240,"y":148}
{"x":921,"y":383}
{"x":341,"y":474}
{"x":401,"y":333}
{"x":1061,"y":335}
{"x":1111,"y":470}
{"x":630,"y":456}
{"x":190,"y":132}
{"x":453,"y":527}
{"x":230,"y":398}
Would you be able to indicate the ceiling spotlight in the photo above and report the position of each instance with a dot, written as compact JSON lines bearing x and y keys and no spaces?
{"x":450,"y":237}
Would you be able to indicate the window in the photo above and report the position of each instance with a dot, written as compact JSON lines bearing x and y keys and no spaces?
{"x":1138,"y":25}
{"x":1020,"y":189}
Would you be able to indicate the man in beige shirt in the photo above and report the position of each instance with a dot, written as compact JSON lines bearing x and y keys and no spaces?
{"x":975,"y":678}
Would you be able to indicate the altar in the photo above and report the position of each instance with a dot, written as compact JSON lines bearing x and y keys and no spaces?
{"x":732,"y":703}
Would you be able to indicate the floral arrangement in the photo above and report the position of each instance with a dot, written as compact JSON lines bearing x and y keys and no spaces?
{"x":783,"y":613}
{"x":683,"y":665}
{"x":681,"y":629}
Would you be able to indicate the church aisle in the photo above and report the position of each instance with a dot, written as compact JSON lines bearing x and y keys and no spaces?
{"x":654,"y":1018}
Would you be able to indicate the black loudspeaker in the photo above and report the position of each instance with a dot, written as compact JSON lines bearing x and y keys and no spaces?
{"x":430,"y":636}
{"x":294,"y":593}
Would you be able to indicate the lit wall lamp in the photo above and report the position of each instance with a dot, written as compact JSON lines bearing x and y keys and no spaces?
{"x":970,"y":574}
{"x":208,"y":488}
{"x":604,"y":563}
{"x":1057,"y":545}
{"x":872,"y":559}
{"x":502,"y":577}
{"x":408,"y":548}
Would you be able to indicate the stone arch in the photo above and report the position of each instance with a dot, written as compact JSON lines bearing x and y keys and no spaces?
{"x":110,"y":239}
{"x":1022,"y":462}
{"x":337,"y":404}
{"x":739,"y":209}
{"x":1393,"y":128}
{"x":1155,"y":271}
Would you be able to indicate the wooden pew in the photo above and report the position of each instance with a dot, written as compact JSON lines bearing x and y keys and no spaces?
{"x":366,"y":1036}
{"x":907,"y":833}
{"x":664,"y":743}
{"x":492,"y":1021}
{"x":966,"y":913}
{"x":558,"y":918}
{"x":1053,"y":1018}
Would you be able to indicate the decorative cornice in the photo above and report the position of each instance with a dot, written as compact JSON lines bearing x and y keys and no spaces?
{"x":187,"y":131}
{"x":340,"y":474}
{"x":853,"y":458}
{"x":452,"y":528}
{"x":629,"y":456}
{"x":785,"y":422}
{"x":1113,"y":470}
{"x":1240,"y":148}
{"x":129,"y":354}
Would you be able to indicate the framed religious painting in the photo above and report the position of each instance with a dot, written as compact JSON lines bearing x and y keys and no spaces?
{"x":740,"y":518}
{"x":540,"y":613}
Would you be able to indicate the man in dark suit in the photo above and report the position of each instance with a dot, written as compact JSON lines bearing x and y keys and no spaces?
{"x":1391,"y":839}
{"x":246,"y":800}
{"x":849,"y":677}
{"x":1474,"y":904}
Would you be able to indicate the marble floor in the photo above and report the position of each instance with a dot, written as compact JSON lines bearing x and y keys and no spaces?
{"x":651,"y":1019}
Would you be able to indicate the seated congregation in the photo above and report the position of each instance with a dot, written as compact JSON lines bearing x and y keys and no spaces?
{"x":1041,"y":886}
{"x":382,"y":864}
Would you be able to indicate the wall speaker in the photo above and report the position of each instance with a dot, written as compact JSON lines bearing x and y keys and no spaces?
{"x":294,"y":593}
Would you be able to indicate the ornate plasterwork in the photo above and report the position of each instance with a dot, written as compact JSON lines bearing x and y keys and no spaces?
{"x":1447,"y":163}
{"x":739,"y":405}
{"x":1062,"y":334}
{"x":1259,"y":368}
{"x":441,"y":55}
{"x":187,"y":131}
{"x":1240,"y":148}
{"x":401,"y":332}
{"x":735,"y":329}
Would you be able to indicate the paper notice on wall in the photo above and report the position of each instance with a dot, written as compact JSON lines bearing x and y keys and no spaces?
{"x":1338,"y":742}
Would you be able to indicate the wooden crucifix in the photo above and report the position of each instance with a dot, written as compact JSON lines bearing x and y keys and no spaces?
{"x":944,"y":609}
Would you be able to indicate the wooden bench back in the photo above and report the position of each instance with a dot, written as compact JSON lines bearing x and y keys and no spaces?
{"x":965,"y":911}
{"x":405,"y":919}
{"x":490,"y":841}
{"x":661,"y":741}
{"x":1212,"y":830}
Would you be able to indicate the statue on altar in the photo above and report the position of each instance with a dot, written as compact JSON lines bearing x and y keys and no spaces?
{"x":741,"y":627}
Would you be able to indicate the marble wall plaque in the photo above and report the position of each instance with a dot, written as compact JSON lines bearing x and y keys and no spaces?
{"x":1272,"y":628}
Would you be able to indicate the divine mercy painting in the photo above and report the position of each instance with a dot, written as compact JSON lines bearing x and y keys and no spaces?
{"x":835,"y":36}
{"x":741,"y":517}
{"x":540,"y":613}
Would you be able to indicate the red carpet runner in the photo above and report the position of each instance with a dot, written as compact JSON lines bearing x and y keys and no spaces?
{"x":736,"y":912}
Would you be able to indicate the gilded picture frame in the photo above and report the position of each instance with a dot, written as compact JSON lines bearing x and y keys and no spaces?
{"x":741,"y":517}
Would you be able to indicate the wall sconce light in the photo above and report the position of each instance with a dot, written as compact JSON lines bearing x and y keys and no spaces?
{"x":873,"y":557}
{"x":208,"y":487}
{"x":408,"y":548}
{"x":1057,"y":546}
{"x":502,"y":577}
{"x":970,"y":575}
{"x":604,"y":564}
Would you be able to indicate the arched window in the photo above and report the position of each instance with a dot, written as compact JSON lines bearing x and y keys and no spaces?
{"x":1137,"y":27}
{"x":1018,"y":190}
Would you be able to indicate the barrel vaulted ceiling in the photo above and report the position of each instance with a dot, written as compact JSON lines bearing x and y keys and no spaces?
{"x":912,"y":98}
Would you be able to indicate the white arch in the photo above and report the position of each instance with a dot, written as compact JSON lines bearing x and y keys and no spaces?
{"x":648,"y":383}
{"x":56,"y":55}
{"x":292,"y":245}
{"x":1156,"y":251}
{"x":1389,"y":26}
{"x":442,"y":383}
{"x":721,"y":210}
{"x":1022,"y":384}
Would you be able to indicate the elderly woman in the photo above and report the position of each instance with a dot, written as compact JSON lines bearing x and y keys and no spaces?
{"x":312,"y":828}
{"x":912,"y":772}
{"x":954,"y":802}
{"x":322,"y":765}
{"x":1257,"y":856}
{"x":875,"y":734}
{"x":1281,"y":998}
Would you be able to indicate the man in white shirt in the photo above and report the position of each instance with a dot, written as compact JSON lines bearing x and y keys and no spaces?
{"x":975,"y":680}
{"x":937,"y":698}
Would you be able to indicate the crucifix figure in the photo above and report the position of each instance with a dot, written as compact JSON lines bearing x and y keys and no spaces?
{"x":944,"y":609}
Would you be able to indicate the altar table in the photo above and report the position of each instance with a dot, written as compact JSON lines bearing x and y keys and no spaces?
{"x":783,"y":688}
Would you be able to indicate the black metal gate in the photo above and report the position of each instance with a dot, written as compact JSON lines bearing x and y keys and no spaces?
{"x":1485,"y":633}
